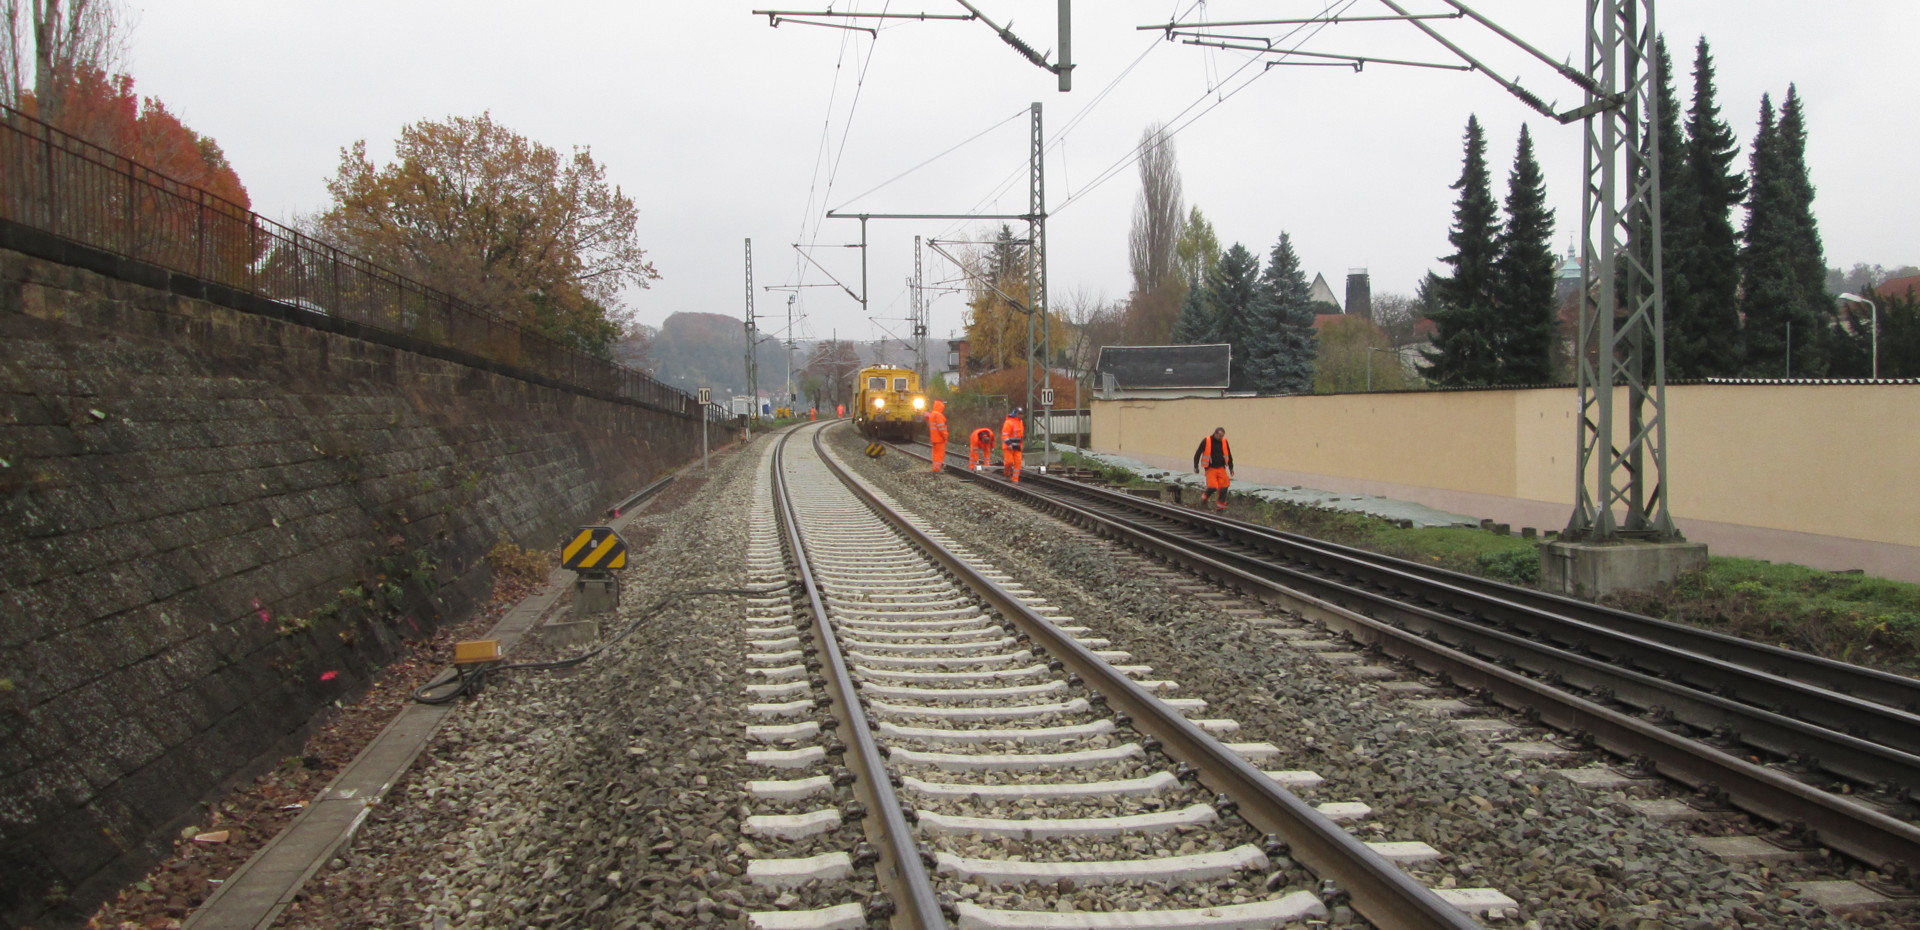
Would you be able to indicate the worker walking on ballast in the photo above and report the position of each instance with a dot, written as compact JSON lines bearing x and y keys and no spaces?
{"x":937,"y":434}
{"x":980,"y":449}
{"x":1217,"y":457}
{"x":1013,"y":439}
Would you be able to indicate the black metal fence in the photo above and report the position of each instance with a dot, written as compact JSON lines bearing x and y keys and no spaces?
{"x":61,"y":184}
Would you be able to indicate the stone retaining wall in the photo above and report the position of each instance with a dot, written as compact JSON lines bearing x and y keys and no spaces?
{"x":214,"y":521}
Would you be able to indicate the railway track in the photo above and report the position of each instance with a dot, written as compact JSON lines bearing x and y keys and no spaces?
{"x":1828,"y":751}
{"x":1004,"y":768}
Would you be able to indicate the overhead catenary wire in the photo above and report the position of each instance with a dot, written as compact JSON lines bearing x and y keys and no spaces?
{"x":1176,"y":127}
{"x":1060,"y":135}
{"x":1022,"y":112}
{"x":1056,"y":142}
{"x":832,"y":165}
{"x":1217,"y":92}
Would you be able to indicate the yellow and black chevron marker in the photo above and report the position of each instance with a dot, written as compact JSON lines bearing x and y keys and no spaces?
{"x":596,"y":548}
{"x":875,"y":450}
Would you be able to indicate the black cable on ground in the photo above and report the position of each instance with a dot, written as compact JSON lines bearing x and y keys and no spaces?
{"x":471,"y":678}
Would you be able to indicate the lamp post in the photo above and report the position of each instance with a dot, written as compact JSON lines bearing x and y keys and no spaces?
{"x":1372,"y":349}
{"x":1873,"y":312}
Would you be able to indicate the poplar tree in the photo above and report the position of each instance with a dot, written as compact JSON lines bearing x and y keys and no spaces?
{"x":1709,"y":254}
{"x":1525,"y":276}
{"x":1281,"y":348}
{"x":1783,"y":270}
{"x":1463,"y":352}
{"x":1229,"y":300}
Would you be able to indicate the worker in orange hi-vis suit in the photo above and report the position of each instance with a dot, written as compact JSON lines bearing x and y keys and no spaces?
{"x":840,"y":410}
{"x":1013,"y":437}
{"x":813,"y":413}
{"x":1217,"y":457}
{"x":980,"y":451}
{"x":937,"y":434}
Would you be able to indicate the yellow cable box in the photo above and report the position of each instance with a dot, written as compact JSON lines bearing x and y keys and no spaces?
{"x":476,"y":650}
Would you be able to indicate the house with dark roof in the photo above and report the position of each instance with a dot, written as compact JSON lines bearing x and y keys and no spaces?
{"x":1164,"y":371}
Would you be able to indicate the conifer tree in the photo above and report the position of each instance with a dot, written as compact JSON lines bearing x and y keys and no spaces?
{"x":1229,"y":300}
{"x":1678,"y":223}
{"x":1194,"y":326}
{"x":1463,"y":352}
{"x":1280,"y":350}
{"x":1708,"y":255}
{"x":1525,"y":276}
{"x":1783,"y":270}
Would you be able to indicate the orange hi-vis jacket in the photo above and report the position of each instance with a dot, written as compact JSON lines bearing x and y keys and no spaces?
{"x":1013,"y":434}
{"x":937,"y":422}
{"x":983,"y":439}
{"x":1213,"y":453}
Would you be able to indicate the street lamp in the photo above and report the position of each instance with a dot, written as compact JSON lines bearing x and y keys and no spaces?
{"x":1372,"y":349}
{"x":1874,"y":313}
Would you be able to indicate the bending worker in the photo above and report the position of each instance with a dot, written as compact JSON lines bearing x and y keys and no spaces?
{"x":937,"y":434}
{"x":1218,"y":457}
{"x":980,"y":450}
{"x":1013,"y":436}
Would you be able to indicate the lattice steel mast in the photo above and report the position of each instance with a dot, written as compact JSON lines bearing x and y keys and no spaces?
{"x":1621,"y":342}
{"x":753,"y":345}
{"x":919,"y":318}
{"x":1037,"y":279}
{"x":1622,"y":309}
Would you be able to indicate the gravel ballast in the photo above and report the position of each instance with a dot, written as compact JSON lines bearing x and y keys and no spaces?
{"x":613,"y":796}
{"x":1572,"y":857}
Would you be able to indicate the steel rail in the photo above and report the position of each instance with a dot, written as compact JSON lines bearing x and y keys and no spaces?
{"x":1844,"y":825}
{"x":1869,"y":684}
{"x":640,"y":495}
{"x":1380,"y":890}
{"x":1783,"y":733}
{"x":1503,"y":622}
{"x":901,"y":866}
{"x":1427,"y":582}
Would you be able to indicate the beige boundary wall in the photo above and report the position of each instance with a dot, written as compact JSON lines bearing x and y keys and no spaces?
{"x":1822,"y":475}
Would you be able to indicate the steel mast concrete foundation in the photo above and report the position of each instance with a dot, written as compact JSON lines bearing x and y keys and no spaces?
{"x":1620,"y":534}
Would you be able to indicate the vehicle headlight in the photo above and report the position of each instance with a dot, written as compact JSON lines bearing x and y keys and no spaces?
{"x":879,"y":403}
{"x":919,"y":403}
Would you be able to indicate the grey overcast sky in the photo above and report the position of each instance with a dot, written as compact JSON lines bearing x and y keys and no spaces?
{"x":724,"y":129}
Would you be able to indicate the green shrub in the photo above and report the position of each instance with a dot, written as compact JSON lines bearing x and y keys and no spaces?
{"x":1513,"y":566}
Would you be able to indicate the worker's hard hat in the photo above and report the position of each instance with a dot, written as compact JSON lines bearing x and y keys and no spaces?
{"x":1014,"y":412}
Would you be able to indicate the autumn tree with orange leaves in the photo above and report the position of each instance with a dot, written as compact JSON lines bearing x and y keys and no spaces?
{"x":186,"y":207}
{"x":475,"y":209}
{"x":57,"y":65}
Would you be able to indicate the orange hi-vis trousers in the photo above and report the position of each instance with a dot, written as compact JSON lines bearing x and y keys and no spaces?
{"x":939,"y":453}
{"x":1011,"y":460}
{"x":980,"y":455}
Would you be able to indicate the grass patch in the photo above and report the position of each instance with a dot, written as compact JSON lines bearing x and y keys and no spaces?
{"x":1845,"y":616}
{"x":1840,"y":615}
{"x":1461,"y":549}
